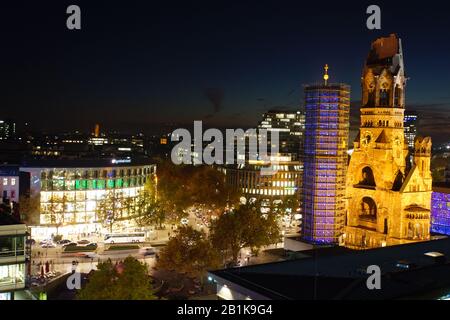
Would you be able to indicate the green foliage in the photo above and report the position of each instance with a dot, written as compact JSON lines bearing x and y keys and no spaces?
{"x":29,"y":209}
{"x":79,"y":248}
{"x":108,"y":209}
{"x":183,"y":186}
{"x":107,"y":283}
{"x":244,"y":227}
{"x":125,"y":247}
{"x":57,"y":238}
{"x":189,"y":251}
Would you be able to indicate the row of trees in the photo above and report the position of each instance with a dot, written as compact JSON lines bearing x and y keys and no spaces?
{"x":194,"y":252}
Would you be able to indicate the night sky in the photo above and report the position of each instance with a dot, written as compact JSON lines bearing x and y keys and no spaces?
{"x":137,"y":65}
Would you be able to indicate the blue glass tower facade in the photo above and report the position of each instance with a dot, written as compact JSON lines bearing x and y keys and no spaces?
{"x":325,"y":162}
{"x":440,"y":210}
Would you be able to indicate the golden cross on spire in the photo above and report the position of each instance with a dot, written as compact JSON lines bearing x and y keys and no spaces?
{"x":325,"y":76}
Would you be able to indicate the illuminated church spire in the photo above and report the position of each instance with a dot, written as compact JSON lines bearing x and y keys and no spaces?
{"x":325,"y":76}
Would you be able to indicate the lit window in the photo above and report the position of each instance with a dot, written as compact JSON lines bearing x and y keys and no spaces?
{"x":5,"y":181}
{"x":13,"y":181}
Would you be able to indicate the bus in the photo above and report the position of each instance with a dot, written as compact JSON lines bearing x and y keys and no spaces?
{"x":132,"y":237}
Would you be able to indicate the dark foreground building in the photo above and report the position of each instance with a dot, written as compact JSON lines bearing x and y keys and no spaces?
{"x":411,"y":271}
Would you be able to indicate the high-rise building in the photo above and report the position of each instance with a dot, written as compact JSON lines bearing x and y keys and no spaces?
{"x":290,"y":126}
{"x":388,"y":200}
{"x":7,"y":129}
{"x":410,"y":126}
{"x":325,"y":161}
{"x":286,"y":180}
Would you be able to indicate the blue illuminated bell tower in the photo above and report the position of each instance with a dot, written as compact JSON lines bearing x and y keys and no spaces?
{"x":325,"y":156}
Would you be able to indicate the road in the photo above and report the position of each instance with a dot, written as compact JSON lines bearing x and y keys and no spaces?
{"x":62,"y":262}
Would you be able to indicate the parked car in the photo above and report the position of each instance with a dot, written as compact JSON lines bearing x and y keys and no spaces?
{"x":48,"y":245}
{"x":63,"y":242}
{"x":45,"y":242}
{"x":84,"y":242}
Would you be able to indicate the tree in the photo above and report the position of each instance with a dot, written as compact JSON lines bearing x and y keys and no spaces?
{"x":150,"y":213}
{"x":183,"y":186}
{"x":108,"y":209}
{"x":149,"y":210}
{"x":128,"y":280}
{"x":29,"y":209}
{"x":55,"y":209}
{"x":244,"y":227}
{"x":189,"y":251}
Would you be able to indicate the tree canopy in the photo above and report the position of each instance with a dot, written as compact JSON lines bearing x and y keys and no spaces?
{"x":128,"y":280}
{"x":244,"y":227}
{"x":183,"y":186}
{"x":189,"y":251}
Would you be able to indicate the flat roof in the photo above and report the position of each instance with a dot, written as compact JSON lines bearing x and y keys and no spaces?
{"x":337,"y":273}
{"x":85,"y":163}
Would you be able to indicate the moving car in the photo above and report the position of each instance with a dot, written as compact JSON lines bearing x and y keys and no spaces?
{"x":147,"y":251}
{"x":63,"y":242}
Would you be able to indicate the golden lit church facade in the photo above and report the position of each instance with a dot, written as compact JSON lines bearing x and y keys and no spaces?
{"x":388,"y":199}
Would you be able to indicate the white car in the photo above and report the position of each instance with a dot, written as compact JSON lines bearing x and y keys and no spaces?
{"x":184,"y":221}
{"x":147,"y":251}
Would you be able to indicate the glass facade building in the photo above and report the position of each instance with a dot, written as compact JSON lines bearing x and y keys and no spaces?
{"x":13,"y":270}
{"x":249,"y":180}
{"x":325,"y":162}
{"x":440,"y":211}
{"x":69,"y":196}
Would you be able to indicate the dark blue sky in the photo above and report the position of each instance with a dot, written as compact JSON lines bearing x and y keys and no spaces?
{"x":138,"y":64}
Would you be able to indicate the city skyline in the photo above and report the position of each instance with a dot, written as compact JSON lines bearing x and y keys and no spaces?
{"x":226,"y":66}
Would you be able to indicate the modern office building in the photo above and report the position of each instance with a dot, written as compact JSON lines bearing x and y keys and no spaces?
{"x":7,"y":129}
{"x":13,"y":262}
{"x":290,"y":126}
{"x":249,"y":180}
{"x":69,"y":192}
{"x":325,"y":161}
{"x":440,"y":208}
{"x":410,"y":126}
{"x":388,"y":200}
{"x":249,"y":175}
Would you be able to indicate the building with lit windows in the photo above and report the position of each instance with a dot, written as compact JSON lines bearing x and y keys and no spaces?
{"x":388,"y":198}
{"x":7,"y":129}
{"x":13,"y":262}
{"x":325,"y":161}
{"x":440,"y":208}
{"x":69,"y":192}
{"x":249,"y":180}
{"x":290,"y":126}
{"x":410,"y":126}
{"x":9,"y":183}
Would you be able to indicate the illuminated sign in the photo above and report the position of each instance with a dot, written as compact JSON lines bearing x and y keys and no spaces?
{"x":119,"y":161}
